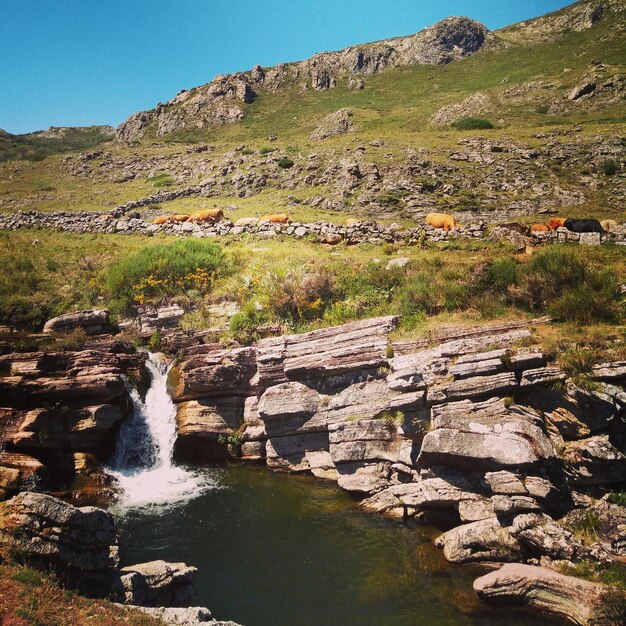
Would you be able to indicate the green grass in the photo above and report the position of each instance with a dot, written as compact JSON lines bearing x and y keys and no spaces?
{"x":472,"y":123}
{"x":183,"y":268}
{"x":294,"y":286}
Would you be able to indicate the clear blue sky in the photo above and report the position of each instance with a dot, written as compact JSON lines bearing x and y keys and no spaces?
{"x":82,"y":62}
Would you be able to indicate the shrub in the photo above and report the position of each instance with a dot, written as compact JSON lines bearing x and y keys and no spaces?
{"x":295,"y":296}
{"x":161,"y":180}
{"x":266,"y":150}
{"x":596,"y":299}
{"x":618,"y":497}
{"x":160,"y":272}
{"x":610,"y":168}
{"x":285,"y":163}
{"x":472,"y":123}
{"x":24,"y":313}
{"x":245,"y":324}
{"x":500,"y":274}
{"x":71,"y":341}
{"x":549,"y":275}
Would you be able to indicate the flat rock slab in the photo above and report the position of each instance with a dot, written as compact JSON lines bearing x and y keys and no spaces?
{"x":547,"y":592}
{"x":329,"y":351}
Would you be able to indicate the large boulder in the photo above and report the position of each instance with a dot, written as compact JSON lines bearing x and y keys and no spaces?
{"x":594,"y":461}
{"x":158,"y":583}
{"x":484,"y":540}
{"x":337,"y":123}
{"x":93,"y":322}
{"x":489,"y":435}
{"x":52,"y":533}
{"x":555,"y":595}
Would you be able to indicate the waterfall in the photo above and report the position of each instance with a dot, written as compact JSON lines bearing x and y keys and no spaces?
{"x":142,"y":460}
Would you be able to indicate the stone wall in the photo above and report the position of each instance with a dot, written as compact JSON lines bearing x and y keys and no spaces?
{"x":323,"y":232}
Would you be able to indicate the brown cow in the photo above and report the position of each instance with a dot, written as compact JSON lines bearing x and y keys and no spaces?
{"x":207,"y":215}
{"x":179,"y":217}
{"x":539,"y":228}
{"x":556,"y":222}
{"x":275,"y":218}
{"x":441,"y":220}
{"x":162,"y":219}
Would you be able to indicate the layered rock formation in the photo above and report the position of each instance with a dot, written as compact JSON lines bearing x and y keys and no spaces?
{"x":565,"y":598}
{"x":486,"y":439}
{"x":60,"y":412}
{"x":222,"y":101}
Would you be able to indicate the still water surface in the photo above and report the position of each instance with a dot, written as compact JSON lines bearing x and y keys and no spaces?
{"x":278,"y":550}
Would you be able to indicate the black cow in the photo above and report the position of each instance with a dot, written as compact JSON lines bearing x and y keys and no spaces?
{"x":583,"y":226}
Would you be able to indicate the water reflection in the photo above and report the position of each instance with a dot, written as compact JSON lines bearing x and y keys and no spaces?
{"x":283,"y":550}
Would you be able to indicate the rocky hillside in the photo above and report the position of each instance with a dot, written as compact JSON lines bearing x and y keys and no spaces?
{"x":378,"y":131}
{"x":221,"y":101}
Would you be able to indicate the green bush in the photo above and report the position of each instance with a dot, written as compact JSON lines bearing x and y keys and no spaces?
{"x":549,"y":275}
{"x":610,"y":168}
{"x":245,"y":324}
{"x":24,"y":313}
{"x":472,"y":123}
{"x":501,"y":274}
{"x":161,"y":180}
{"x":160,"y":272}
{"x":285,"y":163}
{"x":266,"y":150}
{"x":559,"y":282}
{"x":298,"y":295}
{"x":595,"y":300}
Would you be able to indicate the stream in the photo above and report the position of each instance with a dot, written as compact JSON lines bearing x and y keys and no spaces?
{"x":281,"y":550}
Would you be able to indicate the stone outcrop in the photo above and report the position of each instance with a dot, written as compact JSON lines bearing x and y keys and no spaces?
{"x":82,"y":546}
{"x":60,"y":413}
{"x":486,"y":434}
{"x":93,"y":322}
{"x":337,"y":123}
{"x":192,"y":616}
{"x":555,"y":595}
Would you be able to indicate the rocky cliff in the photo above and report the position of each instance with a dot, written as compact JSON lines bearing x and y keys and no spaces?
{"x":222,"y":100}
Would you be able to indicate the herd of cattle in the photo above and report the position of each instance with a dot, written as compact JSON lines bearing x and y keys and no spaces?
{"x":436,"y":220}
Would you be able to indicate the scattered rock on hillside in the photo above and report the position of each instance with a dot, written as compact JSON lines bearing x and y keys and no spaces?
{"x":474,"y":105}
{"x":337,"y":123}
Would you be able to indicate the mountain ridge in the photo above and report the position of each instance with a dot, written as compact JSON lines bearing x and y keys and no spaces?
{"x":219,"y":101}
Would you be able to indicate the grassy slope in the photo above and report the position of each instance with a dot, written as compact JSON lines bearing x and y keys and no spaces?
{"x":67,"y":271}
{"x":397,"y":106}
{"x":33,"y":598}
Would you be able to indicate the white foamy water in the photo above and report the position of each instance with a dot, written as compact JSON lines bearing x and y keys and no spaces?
{"x":142,"y":461}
